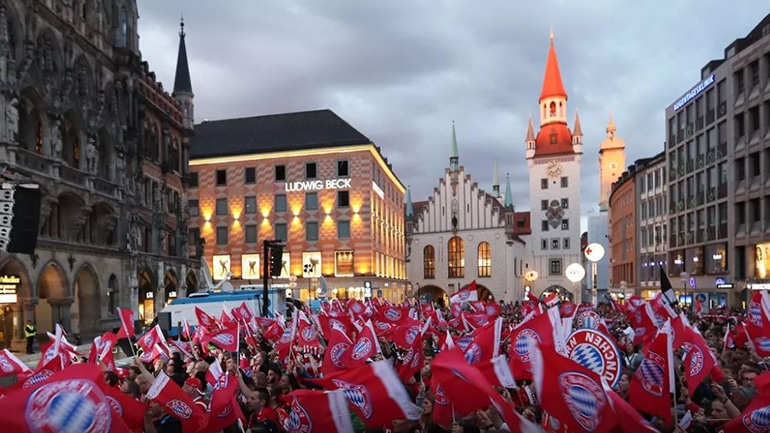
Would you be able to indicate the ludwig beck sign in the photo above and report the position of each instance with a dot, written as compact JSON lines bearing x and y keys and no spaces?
{"x":596,"y":352}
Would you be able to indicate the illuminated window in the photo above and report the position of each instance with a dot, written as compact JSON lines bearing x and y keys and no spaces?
{"x":429,"y":262}
{"x":343,"y":263}
{"x":485,"y":259}
{"x":456,"y":262}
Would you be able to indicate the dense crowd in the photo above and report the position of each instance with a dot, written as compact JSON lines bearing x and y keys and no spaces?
{"x":289,"y":374}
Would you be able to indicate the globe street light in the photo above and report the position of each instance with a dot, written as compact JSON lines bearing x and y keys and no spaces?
{"x":594,"y":252}
{"x":575,"y":273}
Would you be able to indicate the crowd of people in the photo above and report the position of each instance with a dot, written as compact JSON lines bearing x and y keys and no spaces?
{"x":270,"y":379}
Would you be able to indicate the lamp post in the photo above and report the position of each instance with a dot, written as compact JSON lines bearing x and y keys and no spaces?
{"x":594,"y":252}
{"x":685,"y":278}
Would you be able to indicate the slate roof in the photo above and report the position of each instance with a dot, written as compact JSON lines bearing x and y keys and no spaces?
{"x":273,"y":133}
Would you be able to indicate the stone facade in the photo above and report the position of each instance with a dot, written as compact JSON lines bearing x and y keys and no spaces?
{"x":79,"y":105}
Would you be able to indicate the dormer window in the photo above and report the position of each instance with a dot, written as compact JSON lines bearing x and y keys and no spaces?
{"x":554,"y":136}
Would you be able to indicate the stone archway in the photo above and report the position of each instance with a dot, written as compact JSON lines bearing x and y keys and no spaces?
{"x":191,"y":282}
{"x":88,"y":302}
{"x":13,"y":317}
{"x":52,"y":287}
{"x":146,"y":295}
{"x":563,"y":293}
{"x":170,"y":288}
{"x":432,"y":293}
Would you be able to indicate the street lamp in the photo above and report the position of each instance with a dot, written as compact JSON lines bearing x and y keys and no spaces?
{"x":575,"y":273}
{"x":594,"y":252}
{"x":530,"y":277}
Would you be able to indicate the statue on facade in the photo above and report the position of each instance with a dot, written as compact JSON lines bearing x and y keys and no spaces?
{"x":12,"y":120}
{"x":120,"y":168}
{"x":132,"y":236}
{"x":56,"y":139}
{"x":91,"y":156}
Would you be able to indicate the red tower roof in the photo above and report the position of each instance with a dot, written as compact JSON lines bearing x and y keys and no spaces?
{"x":553,"y":139}
{"x":552,"y":84}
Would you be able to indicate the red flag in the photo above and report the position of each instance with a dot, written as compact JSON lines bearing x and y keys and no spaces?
{"x":150,"y":338}
{"x":571,"y":393}
{"x":651,"y":387}
{"x":101,"y":350}
{"x":413,"y":361}
{"x":126,"y":407}
{"x":756,"y":417}
{"x":308,"y":337}
{"x":227,"y":339}
{"x":485,"y":344}
{"x":699,"y":360}
{"x":224,"y":411}
{"x":177,"y":403}
{"x":10,"y":365}
{"x":69,"y":401}
{"x":313,"y":411}
{"x":374,"y":392}
{"x":126,"y":324}
{"x":539,"y":329}
{"x":205,"y":320}
{"x":335,"y":354}
{"x":365,"y":347}
{"x":630,"y":420}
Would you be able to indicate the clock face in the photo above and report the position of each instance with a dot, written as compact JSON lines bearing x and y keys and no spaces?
{"x":554,"y":169}
{"x":613,"y":166}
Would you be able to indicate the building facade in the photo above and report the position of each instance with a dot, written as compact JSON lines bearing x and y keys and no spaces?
{"x":308,"y":179}
{"x":622,"y":231}
{"x":74,"y":94}
{"x":652,"y":221}
{"x":718,"y":156}
{"x":461,"y":234}
{"x":554,"y":158}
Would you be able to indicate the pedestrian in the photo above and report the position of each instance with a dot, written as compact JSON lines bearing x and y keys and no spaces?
{"x":30,"y":333}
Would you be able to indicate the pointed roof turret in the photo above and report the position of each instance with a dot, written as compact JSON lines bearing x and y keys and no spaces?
{"x":611,"y":128}
{"x":577,"y":131}
{"x":530,"y":130}
{"x":182,"y":82}
{"x":508,"y":193}
{"x":552,"y":84}
{"x":454,"y":154}
{"x":409,"y":206}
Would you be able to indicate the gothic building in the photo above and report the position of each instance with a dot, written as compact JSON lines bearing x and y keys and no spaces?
{"x":554,"y":158}
{"x":462,"y":233}
{"x":86,"y":120}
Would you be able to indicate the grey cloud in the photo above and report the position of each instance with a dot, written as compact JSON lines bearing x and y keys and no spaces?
{"x":400,"y":71}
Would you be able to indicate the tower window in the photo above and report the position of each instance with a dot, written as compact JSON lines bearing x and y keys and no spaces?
{"x":554,"y":137}
{"x":544,"y":183}
{"x":552,"y":109}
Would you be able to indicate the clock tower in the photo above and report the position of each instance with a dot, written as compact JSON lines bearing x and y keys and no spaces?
{"x":554,"y":154}
{"x":612,"y":163}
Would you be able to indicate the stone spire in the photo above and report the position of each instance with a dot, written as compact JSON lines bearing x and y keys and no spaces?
{"x":454,"y":154}
{"x":495,"y":180}
{"x":530,"y":141}
{"x":577,"y":135}
{"x":409,"y":207}
{"x":508,"y":193}
{"x":577,"y":131}
{"x":183,"y":92}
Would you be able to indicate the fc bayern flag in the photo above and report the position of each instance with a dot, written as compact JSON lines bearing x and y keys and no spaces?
{"x":224,"y":411}
{"x":653,"y":382}
{"x":756,"y":416}
{"x":126,"y":407}
{"x":177,"y":403}
{"x":10,"y":365}
{"x":317,"y":411}
{"x":571,"y":393}
{"x":70,"y":401}
{"x":375,"y":393}
{"x":226,"y":339}
{"x":126,"y":324}
{"x":334,"y":356}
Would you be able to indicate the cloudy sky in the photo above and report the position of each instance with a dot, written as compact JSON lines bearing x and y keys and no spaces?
{"x":401,"y":71}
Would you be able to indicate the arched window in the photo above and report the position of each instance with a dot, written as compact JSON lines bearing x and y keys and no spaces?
{"x":429,"y":262}
{"x":485,"y":259}
{"x":456,"y":262}
{"x":552,"y":109}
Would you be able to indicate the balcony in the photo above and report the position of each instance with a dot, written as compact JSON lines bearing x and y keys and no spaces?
{"x":73,"y":176}
{"x":700,"y":161}
{"x":33,"y":162}
{"x":105,"y":187}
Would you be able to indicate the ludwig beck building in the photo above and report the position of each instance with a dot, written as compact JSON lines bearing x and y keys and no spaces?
{"x":308,"y":179}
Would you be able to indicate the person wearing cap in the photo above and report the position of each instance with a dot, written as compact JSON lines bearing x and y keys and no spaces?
{"x":193,"y":388}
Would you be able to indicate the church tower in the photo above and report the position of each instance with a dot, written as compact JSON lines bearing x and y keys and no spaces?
{"x":554,"y":155}
{"x":183,"y":92}
{"x":612,"y":163}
